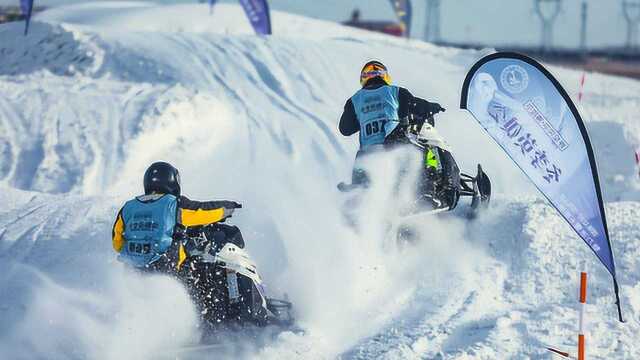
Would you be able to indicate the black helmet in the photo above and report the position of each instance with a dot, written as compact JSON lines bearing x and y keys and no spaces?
{"x":162,"y":178}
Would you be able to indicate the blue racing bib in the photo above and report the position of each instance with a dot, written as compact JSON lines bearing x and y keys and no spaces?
{"x":149,"y":222}
{"x":377,"y":112}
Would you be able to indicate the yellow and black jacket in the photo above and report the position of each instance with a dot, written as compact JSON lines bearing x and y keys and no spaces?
{"x":181,"y":212}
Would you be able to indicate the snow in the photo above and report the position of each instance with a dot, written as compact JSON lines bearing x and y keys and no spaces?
{"x":98,"y":91}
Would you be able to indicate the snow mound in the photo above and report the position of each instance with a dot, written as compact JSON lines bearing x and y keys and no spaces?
{"x":225,"y":19}
{"x":47,"y":47}
{"x":55,"y":139}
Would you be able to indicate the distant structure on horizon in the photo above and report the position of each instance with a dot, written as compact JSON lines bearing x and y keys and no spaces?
{"x":432,"y":25}
{"x":584,"y":17}
{"x":631,"y":11}
{"x":385,"y":27}
{"x":547,"y":11}
{"x":10,"y":13}
{"x":13,"y":13}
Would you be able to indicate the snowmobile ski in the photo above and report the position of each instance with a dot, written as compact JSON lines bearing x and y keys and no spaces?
{"x":344,"y":187}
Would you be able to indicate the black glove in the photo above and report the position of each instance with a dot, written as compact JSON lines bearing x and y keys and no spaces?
{"x":435,"y":108}
{"x":423,"y":109}
{"x":180,"y":234}
{"x":229,"y":204}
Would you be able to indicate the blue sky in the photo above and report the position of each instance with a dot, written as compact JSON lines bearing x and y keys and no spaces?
{"x":489,"y":21}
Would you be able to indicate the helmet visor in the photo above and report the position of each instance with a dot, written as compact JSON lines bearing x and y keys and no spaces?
{"x":374,"y":70}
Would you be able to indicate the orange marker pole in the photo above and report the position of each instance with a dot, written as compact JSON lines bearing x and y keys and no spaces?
{"x":583,"y":301}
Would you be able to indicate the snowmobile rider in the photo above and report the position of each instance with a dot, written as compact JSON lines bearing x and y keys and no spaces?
{"x":150,"y":229}
{"x":378,"y":109}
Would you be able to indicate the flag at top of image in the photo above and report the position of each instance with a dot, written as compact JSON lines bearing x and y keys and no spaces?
{"x":403,"y":12}
{"x":258,"y":13}
{"x":26,"y":6}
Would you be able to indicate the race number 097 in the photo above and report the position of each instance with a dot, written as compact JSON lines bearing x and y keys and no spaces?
{"x":372,"y":128}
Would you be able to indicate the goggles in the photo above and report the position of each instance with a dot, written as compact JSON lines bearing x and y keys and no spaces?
{"x":372,"y":71}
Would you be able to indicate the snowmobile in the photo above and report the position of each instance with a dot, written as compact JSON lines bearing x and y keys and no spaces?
{"x":440,"y":184}
{"x":224,"y":283}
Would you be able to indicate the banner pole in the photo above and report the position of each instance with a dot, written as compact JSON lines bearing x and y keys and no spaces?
{"x":616,"y":290}
{"x":558,"y":352}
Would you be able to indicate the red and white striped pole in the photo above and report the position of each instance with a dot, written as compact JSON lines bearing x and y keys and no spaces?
{"x":637,"y":154}
{"x":580,"y":92}
{"x":583,"y":301}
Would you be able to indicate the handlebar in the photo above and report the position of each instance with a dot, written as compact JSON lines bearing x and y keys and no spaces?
{"x":413,"y":124}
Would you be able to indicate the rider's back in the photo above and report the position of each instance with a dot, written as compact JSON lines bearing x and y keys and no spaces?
{"x":148,"y":228}
{"x":376,"y":109}
{"x":148,"y":223}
